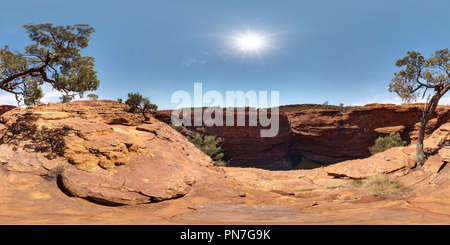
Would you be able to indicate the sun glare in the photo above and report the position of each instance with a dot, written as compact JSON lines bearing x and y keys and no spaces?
{"x":249,"y":43}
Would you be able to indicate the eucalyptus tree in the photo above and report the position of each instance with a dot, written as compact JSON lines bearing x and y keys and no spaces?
{"x":53,"y":58}
{"x":419,"y":76}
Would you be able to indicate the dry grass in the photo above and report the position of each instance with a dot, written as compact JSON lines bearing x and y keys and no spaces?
{"x":303,"y":188}
{"x":355,"y":183}
{"x":382,"y":185}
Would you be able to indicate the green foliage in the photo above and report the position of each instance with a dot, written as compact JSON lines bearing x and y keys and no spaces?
{"x":384,"y":143}
{"x":433,"y":73}
{"x":149,"y":106}
{"x":119,"y":100}
{"x":92,"y":96}
{"x":139,"y":104}
{"x":420,"y":73}
{"x":209,"y":146}
{"x":65,"y":98}
{"x":54,"y":58}
{"x":32,"y":93}
{"x":177,"y":128}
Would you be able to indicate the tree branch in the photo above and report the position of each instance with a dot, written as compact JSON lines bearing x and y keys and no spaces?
{"x":424,"y":92}
{"x":7,"y":80}
{"x":415,"y":90}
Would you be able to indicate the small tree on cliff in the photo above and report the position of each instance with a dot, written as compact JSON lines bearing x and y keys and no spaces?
{"x":139,"y":104}
{"x":433,"y":74}
{"x":54,"y":58}
{"x":92,"y":96}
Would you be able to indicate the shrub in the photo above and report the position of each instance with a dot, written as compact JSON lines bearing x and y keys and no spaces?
{"x":413,"y":157}
{"x":66,"y":98}
{"x":382,"y":185}
{"x":209,"y":146}
{"x":139,"y":104}
{"x":384,"y":143}
{"x":355,"y":183}
{"x":177,"y":128}
{"x":220,"y":163}
{"x":92,"y":96}
{"x":39,"y":134}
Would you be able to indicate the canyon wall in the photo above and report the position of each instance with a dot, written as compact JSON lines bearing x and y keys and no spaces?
{"x":330,"y":136}
{"x":244,"y":144}
{"x":322,"y":135}
{"x":6,"y":108}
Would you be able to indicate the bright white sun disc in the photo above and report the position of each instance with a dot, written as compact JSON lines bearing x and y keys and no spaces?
{"x":250,"y":42}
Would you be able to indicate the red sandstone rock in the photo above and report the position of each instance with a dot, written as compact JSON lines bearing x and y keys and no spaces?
{"x":388,"y":161}
{"x":244,"y":143}
{"x":108,"y":163}
{"x":6,"y":108}
{"x":330,"y":136}
{"x":433,"y":164}
{"x":437,"y":139}
{"x":163,"y":165}
{"x":326,"y":136}
{"x":143,"y":180}
{"x":444,"y":152}
{"x":388,"y":130}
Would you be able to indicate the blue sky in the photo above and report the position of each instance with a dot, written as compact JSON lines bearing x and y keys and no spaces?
{"x":311,"y":51}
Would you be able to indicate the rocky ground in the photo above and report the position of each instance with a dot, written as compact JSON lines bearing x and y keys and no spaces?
{"x":91,"y":162}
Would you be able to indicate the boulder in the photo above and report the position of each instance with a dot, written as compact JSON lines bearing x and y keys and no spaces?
{"x":438,"y":138}
{"x":444,"y":153}
{"x":143,"y":180}
{"x":385,"y":162}
{"x":388,"y":130}
{"x":433,"y":164}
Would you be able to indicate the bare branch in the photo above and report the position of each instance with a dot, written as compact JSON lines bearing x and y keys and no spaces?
{"x":424,"y":92}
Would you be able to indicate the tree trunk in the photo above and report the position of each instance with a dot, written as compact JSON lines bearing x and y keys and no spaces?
{"x":428,"y":111}
{"x":145,"y":116}
{"x":419,"y":148}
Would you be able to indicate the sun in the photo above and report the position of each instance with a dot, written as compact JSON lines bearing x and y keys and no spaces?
{"x":250,"y":42}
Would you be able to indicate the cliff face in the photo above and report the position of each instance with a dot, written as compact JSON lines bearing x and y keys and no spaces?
{"x":6,"y":108}
{"x":329,"y":136}
{"x":244,"y":143}
{"x":326,"y":136}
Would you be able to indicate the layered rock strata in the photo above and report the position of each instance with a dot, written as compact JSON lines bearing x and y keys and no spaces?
{"x":106,"y":162}
{"x":244,"y":144}
{"x":321,"y":135}
{"x":330,"y":136}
